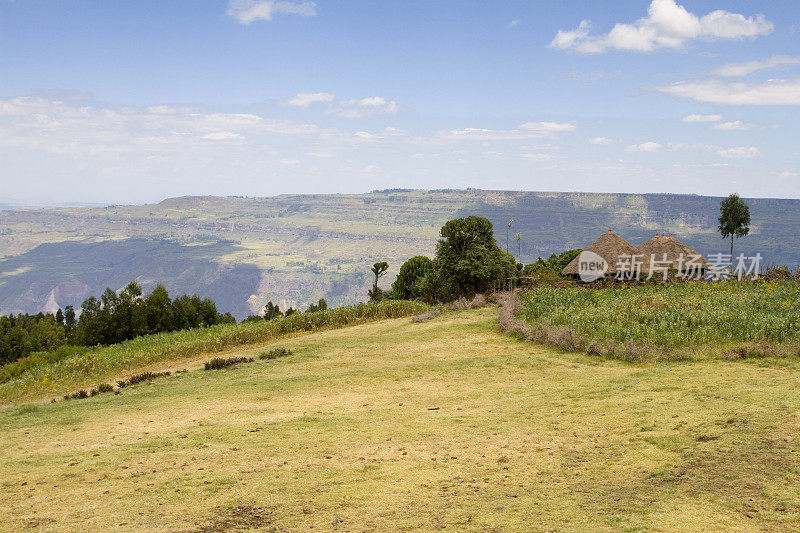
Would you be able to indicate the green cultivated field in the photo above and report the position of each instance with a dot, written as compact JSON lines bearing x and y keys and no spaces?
{"x":396,"y":426}
{"x":679,"y":319}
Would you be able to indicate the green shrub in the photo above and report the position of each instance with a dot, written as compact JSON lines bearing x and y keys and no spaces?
{"x":22,"y":365}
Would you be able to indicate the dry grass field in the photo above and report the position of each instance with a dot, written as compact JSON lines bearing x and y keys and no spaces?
{"x":396,"y":426}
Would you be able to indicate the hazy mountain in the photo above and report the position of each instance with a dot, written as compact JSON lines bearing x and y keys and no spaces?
{"x":244,"y":251}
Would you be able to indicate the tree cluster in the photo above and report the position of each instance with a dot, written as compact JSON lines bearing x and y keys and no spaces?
{"x":22,"y":335}
{"x":468,"y":262}
{"x":552,"y":265}
{"x":111,"y":319}
{"x":272,"y":311}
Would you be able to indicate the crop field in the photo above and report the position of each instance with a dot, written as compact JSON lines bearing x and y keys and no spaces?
{"x":457,"y":426}
{"x":682,"y":319}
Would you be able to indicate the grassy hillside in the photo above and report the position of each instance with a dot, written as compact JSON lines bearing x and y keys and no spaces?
{"x":83,"y":368}
{"x":457,"y":427}
{"x":244,"y":251}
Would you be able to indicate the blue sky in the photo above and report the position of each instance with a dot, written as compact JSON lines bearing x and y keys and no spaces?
{"x":129,"y":102}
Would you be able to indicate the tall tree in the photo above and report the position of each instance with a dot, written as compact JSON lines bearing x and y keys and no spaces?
{"x":69,"y":317}
{"x":271,"y":311}
{"x":734,"y":219}
{"x":379,"y":269}
{"x":468,"y":259}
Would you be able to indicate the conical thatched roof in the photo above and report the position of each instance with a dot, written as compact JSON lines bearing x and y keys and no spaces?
{"x":609,"y":246}
{"x":673,"y":248}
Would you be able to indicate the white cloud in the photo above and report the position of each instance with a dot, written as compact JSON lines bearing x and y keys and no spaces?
{"x":667,"y":25}
{"x":739,"y":152}
{"x":54,"y":126}
{"x":306,"y":99}
{"x":675,"y":147}
{"x":223,"y":136}
{"x":247,"y":11}
{"x":483,"y":134}
{"x":375,"y":105}
{"x":785,"y":175}
{"x":702,"y":118}
{"x":547,"y":128}
{"x":514,"y":23}
{"x":386,"y":133}
{"x":735,"y":152}
{"x":536,"y":157}
{"x":644,"y":147}
{"x":528,"y":130}
{"x":601,"y":141}
{"x":736,"y":125}
{"x":770,"y":92}
{"x":744,"y":69}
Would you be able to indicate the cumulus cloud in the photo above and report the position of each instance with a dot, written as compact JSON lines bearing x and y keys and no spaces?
{"x":601,"y":141}
{"x":736,"y":125}
{"x":770,"y":92}
{"x":667,"y":25}
{"x":247,"y":11}
{"x":702,"y":118}
{"x":740,"y":70}
{"x":306,"y":99}
{"x":645,"y":147}
{"x":365,"y":107}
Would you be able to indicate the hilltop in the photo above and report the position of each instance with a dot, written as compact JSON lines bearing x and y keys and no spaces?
{"x":242,"y":252}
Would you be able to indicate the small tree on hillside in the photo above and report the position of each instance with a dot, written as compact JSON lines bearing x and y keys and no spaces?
{"x":321,"y":305}
{"x":379,"y":269}
{"x":69,"y":317}
{"x":271,"y":311}
{"x":734,"y":219}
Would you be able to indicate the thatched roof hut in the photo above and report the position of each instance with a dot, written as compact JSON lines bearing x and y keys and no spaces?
{"x":667,"y":250}
{"x":610,"y":247}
